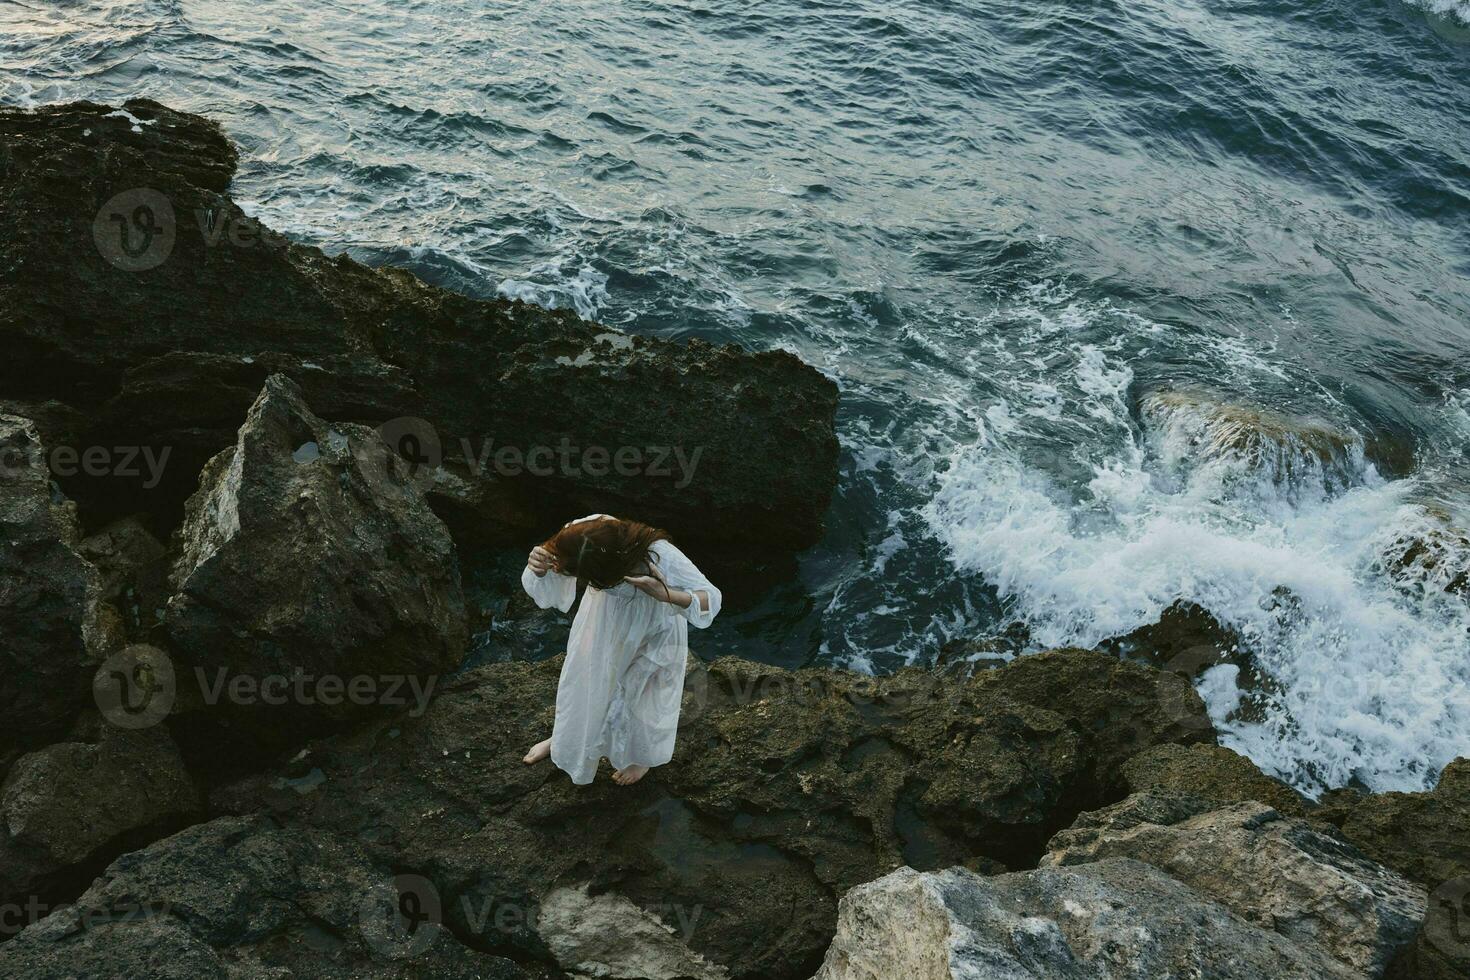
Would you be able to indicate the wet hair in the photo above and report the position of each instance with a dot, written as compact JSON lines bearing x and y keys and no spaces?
{"x":604,"y":549}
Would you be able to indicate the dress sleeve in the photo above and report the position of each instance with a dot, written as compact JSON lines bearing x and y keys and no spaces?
{"x":681,"y":573}
{"x":551,"y":589}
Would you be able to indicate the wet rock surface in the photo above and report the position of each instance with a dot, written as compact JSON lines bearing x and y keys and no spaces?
{"x":1274,"y":871}
{"x":242,"y":897}
{"x":1113,"y":919}
{"x":1425,"y":837}
{"x":161,"y":326}
{"x":1213,"y":772}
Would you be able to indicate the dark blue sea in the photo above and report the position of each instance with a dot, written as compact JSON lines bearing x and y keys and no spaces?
{"x":1130,"y":303}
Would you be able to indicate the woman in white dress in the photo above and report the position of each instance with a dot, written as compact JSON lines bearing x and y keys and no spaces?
{"x":623,"y":678}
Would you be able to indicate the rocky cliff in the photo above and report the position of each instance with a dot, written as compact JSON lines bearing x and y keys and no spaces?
{"x":239,"y":740}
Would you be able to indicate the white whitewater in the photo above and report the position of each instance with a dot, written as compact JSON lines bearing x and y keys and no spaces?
{"x":1345,"y":587}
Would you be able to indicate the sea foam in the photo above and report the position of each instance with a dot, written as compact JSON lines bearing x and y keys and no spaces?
{"x":1339,"y":582}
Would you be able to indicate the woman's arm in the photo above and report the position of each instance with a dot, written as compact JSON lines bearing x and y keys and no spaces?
{"x":678,"y":581}
{"x":547,"y":586}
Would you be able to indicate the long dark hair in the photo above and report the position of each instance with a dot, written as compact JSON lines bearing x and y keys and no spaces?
{"x":604,"y":549}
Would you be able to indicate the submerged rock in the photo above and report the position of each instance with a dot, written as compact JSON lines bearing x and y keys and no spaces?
{"x":136,"y":286}
{"x":1430,"y":557}
{"x":1274,"y":871}
{"x":1201,"y":428}
{"x":1114,"y":919}
{"x":309,"y":551}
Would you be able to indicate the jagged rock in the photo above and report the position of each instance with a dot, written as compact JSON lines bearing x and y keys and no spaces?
{"x":1423,"y":836}
{"x":133,"y":566}
{"x":68,"y":809}
{"x":122,"y":552}
{"x":238,"y":898}
{"x":1110,"y":920}
{"x":162,"y":339}
{"x":1426,"y":837}
{"x":72,"y":799}
{"x":1211,"y":771}
{"x":308,"y":548}
{"x":1274,"y":871}
{"x":786,"y":789}
{"x":54,"y":631}
{"x":608,"y":936}
{"x":1186,"y":638}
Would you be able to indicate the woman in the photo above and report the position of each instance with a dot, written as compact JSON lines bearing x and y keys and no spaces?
{"x":623,"y":678}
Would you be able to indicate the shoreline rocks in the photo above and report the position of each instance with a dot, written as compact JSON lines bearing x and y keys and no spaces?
{"x":159,"y":326}
{"x":308,"y":549}
{"x":54,"y":627}
{"x":319,"y":436}
{"x":1274,"y":871}
{"x":1114,"y":919}
{"x":787,"y":789}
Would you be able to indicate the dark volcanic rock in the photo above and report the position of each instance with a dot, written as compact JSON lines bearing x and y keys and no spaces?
{"x":309,"y":549}
{"x":1213,"y":772}
{"x":134,"y":567}
{"x":71,"y":807}
{"x":786,"y":789}
{"x":53,"y":628}
{"x":243,"y":898}
{"x":162,"y":323}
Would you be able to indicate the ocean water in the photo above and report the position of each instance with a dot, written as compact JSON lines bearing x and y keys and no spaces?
{"x":1130,"y":303}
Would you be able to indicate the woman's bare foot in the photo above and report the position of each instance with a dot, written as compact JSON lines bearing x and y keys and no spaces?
{"x":538,"y":752}
{"x":628,"y":775}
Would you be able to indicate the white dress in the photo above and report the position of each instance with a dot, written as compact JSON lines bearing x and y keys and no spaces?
{"x":623,"y":679}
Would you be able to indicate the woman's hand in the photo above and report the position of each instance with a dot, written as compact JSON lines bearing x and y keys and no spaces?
{"x":655,"y":586}
{"x":649,"y":585}
{"x":541,"y":561}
